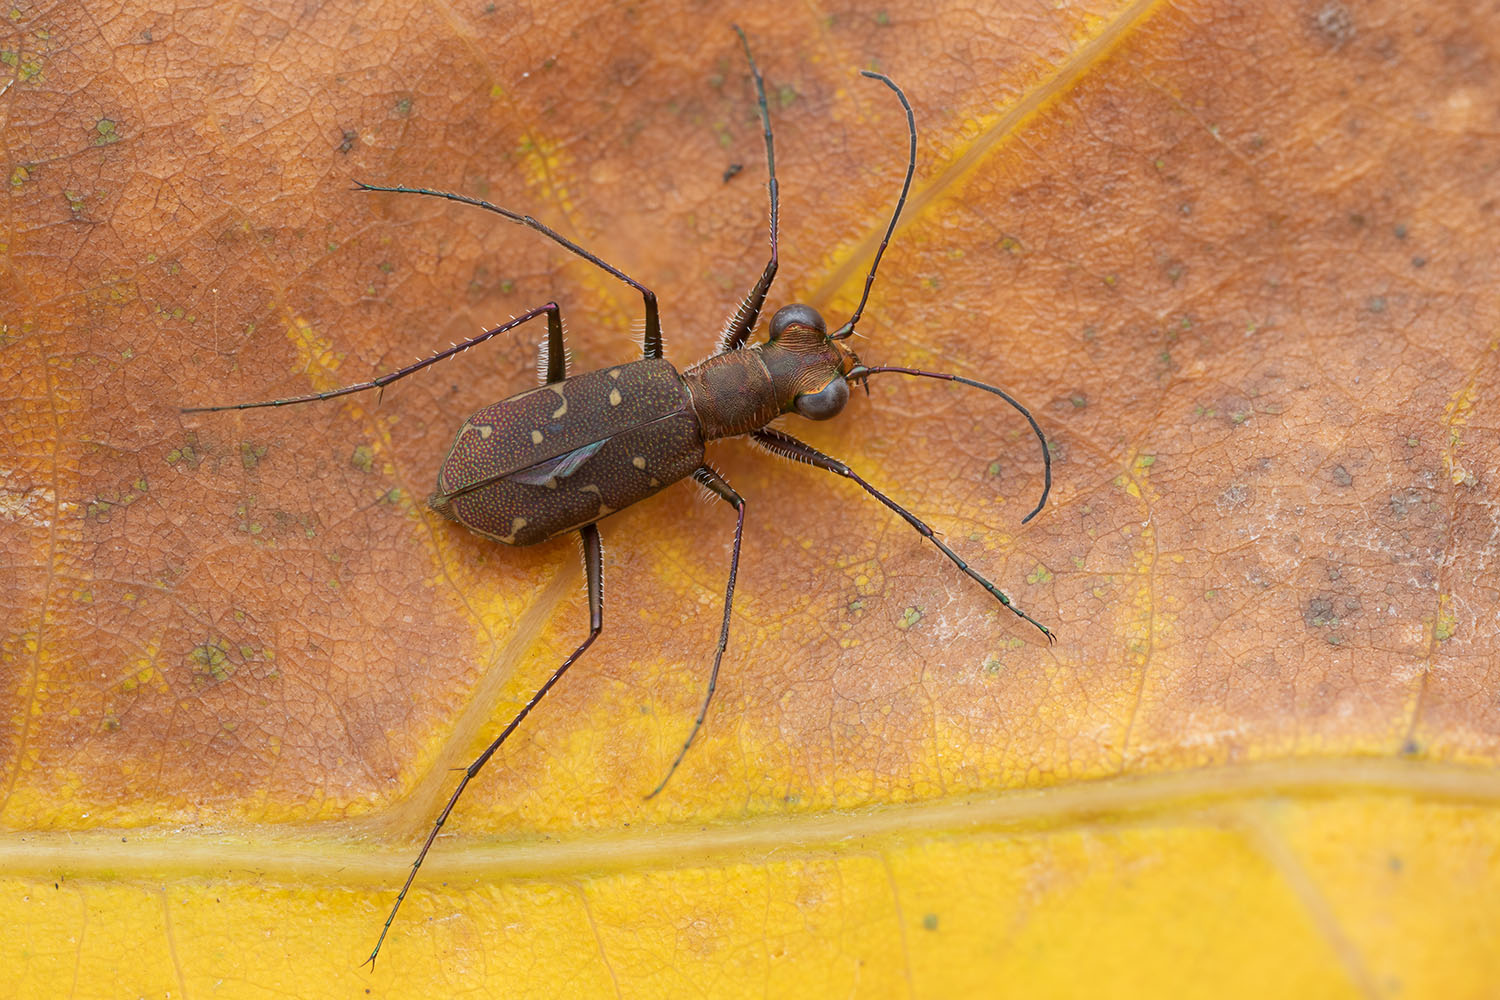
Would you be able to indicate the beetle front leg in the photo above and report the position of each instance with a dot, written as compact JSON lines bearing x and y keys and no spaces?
{"x":742,"y":323}
{"x":593,"y":568}
{"x":783,"y":444}
{"x":708,"y":477}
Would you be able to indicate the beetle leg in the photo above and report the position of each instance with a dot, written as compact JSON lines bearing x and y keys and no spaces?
{"x":553,"y":320}
{"x":593,"y":566}
{"x":783,"y":444}
{"x":557,"y":357}
{"x":652,"y":340}
{"x":742,"y":323}
{"x":708,"y":477}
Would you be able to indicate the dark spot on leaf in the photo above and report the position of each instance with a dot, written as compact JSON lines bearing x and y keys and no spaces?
{"x":1334,"y":23}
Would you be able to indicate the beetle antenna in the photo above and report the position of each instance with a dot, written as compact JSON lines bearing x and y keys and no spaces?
{"x":860,"y":373}
{"x":911,"y":168}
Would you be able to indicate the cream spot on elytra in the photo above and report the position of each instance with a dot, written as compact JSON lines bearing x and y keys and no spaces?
{"x":614,"y":397}
{"x":536,"y":437}
{"x":638,"y":462}
{"x":515,"y":527}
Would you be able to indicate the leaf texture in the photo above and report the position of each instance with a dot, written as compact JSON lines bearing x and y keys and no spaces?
{"x":1239,"y":260}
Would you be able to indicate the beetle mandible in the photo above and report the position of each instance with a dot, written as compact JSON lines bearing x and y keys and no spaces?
{"x":561,"y":457}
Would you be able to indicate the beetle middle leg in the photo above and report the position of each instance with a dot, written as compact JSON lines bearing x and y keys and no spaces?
{"x":715,"y":482}
{"x":786,"y":446}
{"x":593,"y":567}
{"x":651,"y":342}
{"x":554,"y":333}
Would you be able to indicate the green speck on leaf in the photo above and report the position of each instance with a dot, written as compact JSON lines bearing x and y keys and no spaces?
{"x":186,"y":454}
{"x":107,"y":132}
{"x":211,"y":659}
{"x":1039,"y":575}
{"x":1445,"y":626}
{"x":929,"y":921}
{"x":363,"y":458}
{"x":250,"y":454}
{"x":909,"y":617}
{"x":991,"y":664}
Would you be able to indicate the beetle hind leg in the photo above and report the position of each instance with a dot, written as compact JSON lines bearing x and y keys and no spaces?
{"x":593,"y":568}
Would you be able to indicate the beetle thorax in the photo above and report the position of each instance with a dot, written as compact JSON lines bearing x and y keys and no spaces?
{"x":798,"y":370}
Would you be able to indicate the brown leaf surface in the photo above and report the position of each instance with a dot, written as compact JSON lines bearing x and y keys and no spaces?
{"x":1240,"y":263}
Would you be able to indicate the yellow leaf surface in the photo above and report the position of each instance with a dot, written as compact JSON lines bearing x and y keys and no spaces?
{"x":1240,"y":260}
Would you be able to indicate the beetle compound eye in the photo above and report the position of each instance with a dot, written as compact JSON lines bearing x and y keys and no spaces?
{"x":825,"y":403}
{"x":798,"y":315}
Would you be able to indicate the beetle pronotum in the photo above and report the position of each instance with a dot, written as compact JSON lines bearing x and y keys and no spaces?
{"x":562,"y":456}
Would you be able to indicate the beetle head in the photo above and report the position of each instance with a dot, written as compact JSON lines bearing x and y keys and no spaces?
{"x":808,"y":366}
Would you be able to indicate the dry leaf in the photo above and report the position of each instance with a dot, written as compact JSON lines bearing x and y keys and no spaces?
{"x":1240,"y":261}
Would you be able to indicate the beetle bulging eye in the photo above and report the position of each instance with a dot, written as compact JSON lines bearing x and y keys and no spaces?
{"x":825,"y":403}
{"x":797,"y":315}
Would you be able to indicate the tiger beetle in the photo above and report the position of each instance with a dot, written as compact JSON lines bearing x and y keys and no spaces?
{"x":563,"y":456}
